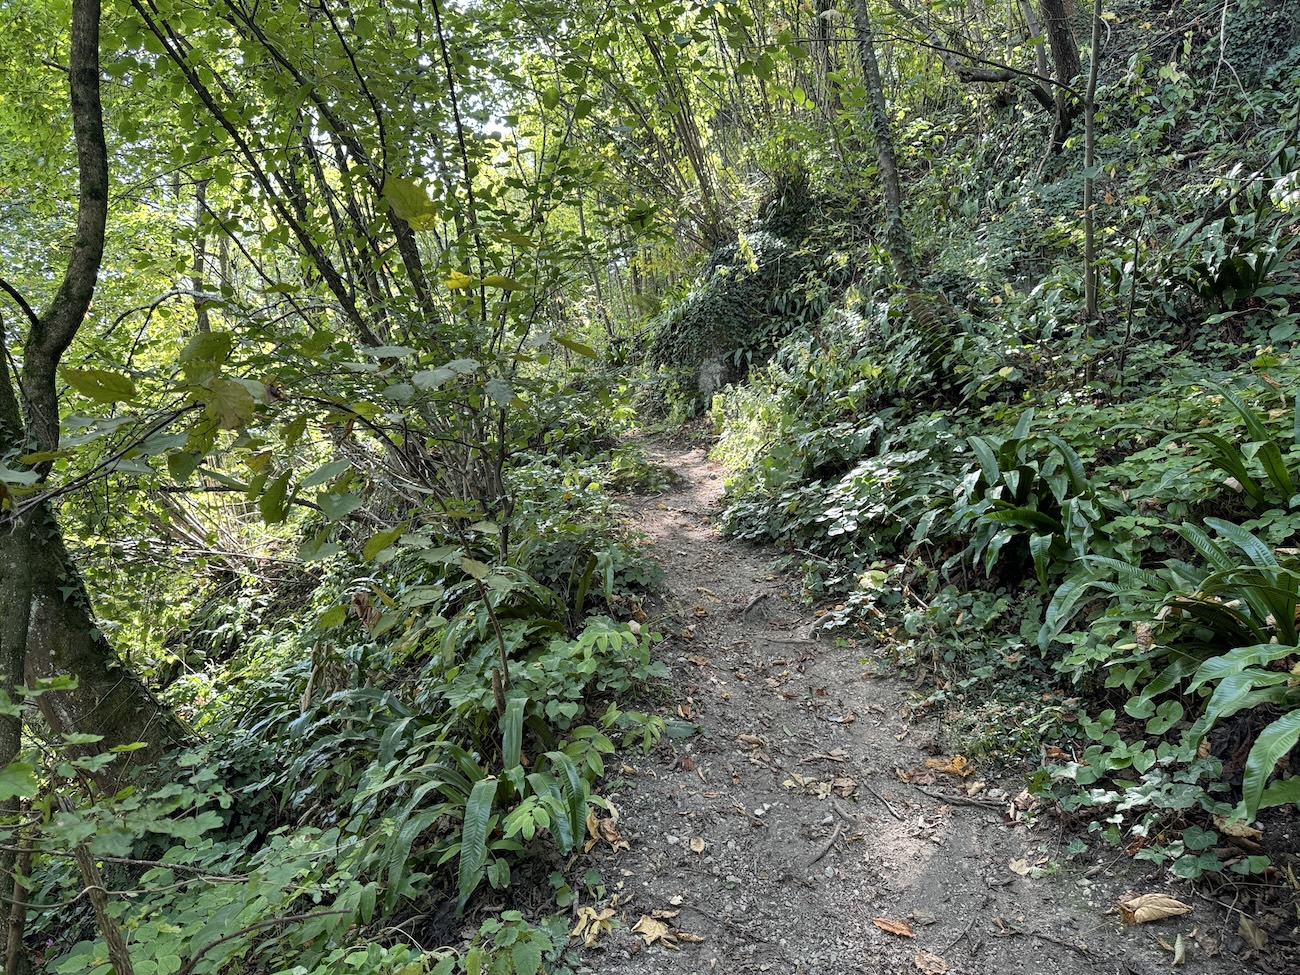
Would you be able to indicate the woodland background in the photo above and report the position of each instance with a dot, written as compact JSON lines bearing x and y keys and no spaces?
{"x":326,"y":326}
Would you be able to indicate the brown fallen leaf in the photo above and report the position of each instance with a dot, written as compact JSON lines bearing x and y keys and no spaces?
{"x":1146,"y":908}
{"x":930,"y":964}
{"x":900,"y":928}
{"x":1020,"y":867}
{"x":604,"y":829}
{"x":1251,"y":933}
{"x":1235,"y":827}
{"x":652,"y":930}
{"x":697,"y":845}
{"x":958,"y":765}
{"x":844,"y":786}
{"x":698,"y":660}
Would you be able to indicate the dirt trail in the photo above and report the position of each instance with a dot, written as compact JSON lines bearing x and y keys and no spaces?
{"x":781,"y":832}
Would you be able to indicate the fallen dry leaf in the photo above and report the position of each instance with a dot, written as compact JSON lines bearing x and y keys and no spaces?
{"x":592,"y":924}
{"x":1251,"y":933}
{"x":652,"y":930}
{"x":1146,"y":908}
{"x":1235,"y":827}
{"x":1020,"y":867}
{"x":697,"y":845}
{"x":844,"y":786}
{"x":900,"y":928}
{"x":697,"y":660}
{"x":604,"y":829}
{"x":930,"y":964}
{"x":958,"y":765}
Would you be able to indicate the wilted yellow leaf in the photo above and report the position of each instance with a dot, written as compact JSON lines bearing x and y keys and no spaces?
{"x":1146,"y":908}
{"x":592,"y":924}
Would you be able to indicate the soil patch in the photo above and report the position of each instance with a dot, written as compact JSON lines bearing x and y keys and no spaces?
{"x":785,"y":836}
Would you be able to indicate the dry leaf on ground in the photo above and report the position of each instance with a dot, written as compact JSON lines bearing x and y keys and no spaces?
{"x":592,"y":924}
{"x":930,"y":964}
{"x":1251,"y":933}
{"x":1237,"y":828}
{"x":958,"y":765}
{"x":652,"y":930}
{"x":604,"y":829}
{"x":697,"y":845}
{"x":900,"y":928}
{"x":1146,"y":908}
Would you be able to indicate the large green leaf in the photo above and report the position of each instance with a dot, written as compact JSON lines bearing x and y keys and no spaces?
{"x":99,"y":384}
{"x":473,"y":840}
{"x":1272,"y":745}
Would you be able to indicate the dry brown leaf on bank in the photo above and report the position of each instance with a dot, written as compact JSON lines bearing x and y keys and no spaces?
{"x":1235,"y":827}
{"x":698,"y":660}
{"x":1145,"y":908}
{"x":844,"y":786}
{"x":592,"y":924}
{"x":900,"y":928}
{"x":697,"y":845}
{"x":930,"y":964}
{"x":958,"y":765}
{"x":847,"y":718}
{"x":1251,"y":933}
{"x":916,"y":776}
{"x":1020,"y":867}
{"x":752,"y":740}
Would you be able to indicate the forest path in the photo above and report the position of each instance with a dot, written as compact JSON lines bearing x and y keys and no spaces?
{"x":780,"y":832}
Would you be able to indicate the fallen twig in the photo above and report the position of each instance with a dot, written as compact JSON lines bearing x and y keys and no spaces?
{"x":885,"y":802}
{"x":961,"y":800}
{"x":826,"y":847}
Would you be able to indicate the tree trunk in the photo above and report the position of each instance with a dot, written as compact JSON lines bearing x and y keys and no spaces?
{"x":1065,"y":59}
{"x":897,"y":240}
{"x":47,"y":629}
{"x":930,"y":314}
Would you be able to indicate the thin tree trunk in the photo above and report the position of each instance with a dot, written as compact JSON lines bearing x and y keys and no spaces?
{"x":897,"y":240}
{"x":1089,"y":156}
{"x":200,"y":258}
{"x":1065,"y":59}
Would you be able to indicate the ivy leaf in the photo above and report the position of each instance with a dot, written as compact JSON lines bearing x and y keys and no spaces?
{"x":99,"y":384}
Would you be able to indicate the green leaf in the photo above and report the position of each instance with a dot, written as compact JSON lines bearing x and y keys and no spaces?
{"x":473,"y":840}
{"x":332,"y":617}
{"x":204,"y":355}
{"x":99,"y":384}
{"x":551,"y":97}
{"x":575,"y":346}
{"x":1272,"y":745}
{"x":379,"y":542}
{"x":499,"y":391}
{"x":474,"y":568}
{"x":325,"y":473}
{"x":512,"y":731}
{"x":503,"y":282}
{"x":229,"y":403}
{"x":459,"y":281}
{"x":410,"y":202}
{"x":336,"y":506}
{"x":18,"y":781}
{"x":274,"y":504}
{"x":527,"y":957}
{"x":1255,"y":550}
